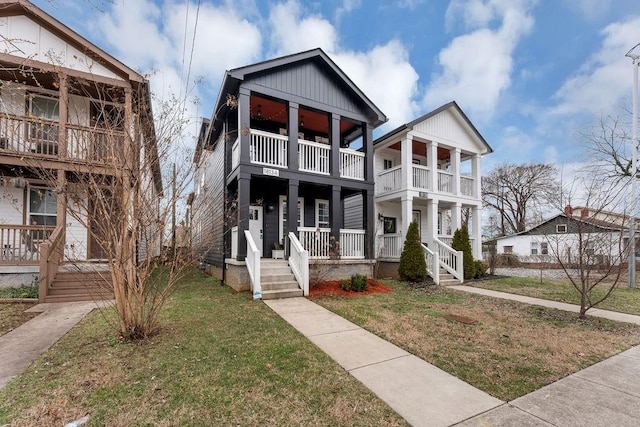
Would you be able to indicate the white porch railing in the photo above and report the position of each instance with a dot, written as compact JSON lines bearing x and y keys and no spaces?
{"x":352,"y":244}
{"x":253,"y":265}
{"x":313,"y":157}
{"x":447,"y":239}
{"x":315,"y":240}
{"x":390,"y":245}
{"x":234,"y":242}
{"x":351,"y":164}
{"x":235,"y":153}
{"x":433,"y":266}
{"x":268,"y":149}
{"x":421,"y":178}
{"x":466,"y":185}
{"x":299,"y":263}
{"x":450,"y":259}
{"x":445,"y":182}
{"x":389,"y":180}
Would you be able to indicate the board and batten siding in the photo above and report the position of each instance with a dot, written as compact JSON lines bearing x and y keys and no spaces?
{"x":447,"y":129}
{"x":353,"y":212}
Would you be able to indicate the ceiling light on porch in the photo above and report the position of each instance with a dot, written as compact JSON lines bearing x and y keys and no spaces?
{"x":302,"y":121}
{"x":259,"y":113}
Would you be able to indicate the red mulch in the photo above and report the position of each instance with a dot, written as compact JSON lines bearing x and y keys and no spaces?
{"x":332,"y":287}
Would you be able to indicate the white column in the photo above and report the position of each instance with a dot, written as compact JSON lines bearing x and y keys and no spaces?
{"x":476,"y":248}
{"x":432,"y":222}
{"x":477,"y":177}
{"x":407,"y":168}
{"x":432,"y":162}
{"x":456,"y":217}
{"x":455,"y":168}
{"x":407,"y":215}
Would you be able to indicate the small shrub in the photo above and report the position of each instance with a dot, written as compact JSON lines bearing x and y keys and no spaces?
{"x":25,"y":291}
{"x":345,"y":285}
{"x":461,"y":243}
{"x":480,"y":269}
{"x":413,"y":266}
{"x":359,"y":283}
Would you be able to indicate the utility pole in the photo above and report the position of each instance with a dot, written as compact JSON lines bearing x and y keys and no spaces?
{"x":634,"y":170}
{"x":173,"y":212}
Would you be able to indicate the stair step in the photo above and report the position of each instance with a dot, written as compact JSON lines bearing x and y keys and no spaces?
{"x":277,"y":277}
{"x":274,"y":286}
{"x":79,"y":290}
{"x":282,"y":293}
{"x":78,"y":297}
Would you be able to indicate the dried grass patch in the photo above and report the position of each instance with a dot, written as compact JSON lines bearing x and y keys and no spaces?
{"x":12,"y":315}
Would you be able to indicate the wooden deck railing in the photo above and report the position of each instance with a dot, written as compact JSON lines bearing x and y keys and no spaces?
{"x":20,"y":243}
{"x":51,"y":258}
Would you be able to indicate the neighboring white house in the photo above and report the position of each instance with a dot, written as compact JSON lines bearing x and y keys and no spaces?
{"x":600,"y":237}
{"x":428,"y":170}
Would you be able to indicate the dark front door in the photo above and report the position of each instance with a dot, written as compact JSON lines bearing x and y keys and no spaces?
{"x":97,"y":232}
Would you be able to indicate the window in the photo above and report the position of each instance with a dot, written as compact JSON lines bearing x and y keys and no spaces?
{"x":43,"y":206}
{"x":415,"y":161}
{"x":388,"y":164}
{"x":507,"y":249}
{"x":106,"y":116}
{"x":389,"y":225}
{"x":46,"y":109}
{"x":589,"y":248}
{"x":544,"y":248}
{"x":534,"y":248}
{"x":322,"y":214}
{"x":561,"y":228}
{"x":283,"y":215}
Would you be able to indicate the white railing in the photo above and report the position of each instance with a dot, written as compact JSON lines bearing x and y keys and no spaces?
{"x":268,"y":149}
{"x":352,"y":244}
{"x":389,"y":180}
{"x":234,"y":242}
{"x":315,"y":241}
{"x":466,"y":185}
{"x":450,"y":259}
{"x":445,"y":182}
{"x":421,"y":178}
{"x":235,"y":154}
{"x":351,"y":164}
{"x":433,"y":266}
{"x":313,"y":157}
{"x":446,"y":239}
{"x":299,"y":263}
{"x":253,"y":265}
{"x":390,"y":245}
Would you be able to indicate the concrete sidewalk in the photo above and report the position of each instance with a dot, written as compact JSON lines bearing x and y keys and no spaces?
{"x":596,"y":312}
{"x":421,"y":393}
{"x":21,"y":346}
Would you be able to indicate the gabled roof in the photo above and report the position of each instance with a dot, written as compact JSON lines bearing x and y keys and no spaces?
{"x":26,"y":8}
{"x":233,"y":78}
{"x":451,"y":105}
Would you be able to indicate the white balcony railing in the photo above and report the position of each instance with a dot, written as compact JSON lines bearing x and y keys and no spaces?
{"x":351,"y":164}
{"x":315,"y":241}
{"x":352,"y":244}
{"x":421,"y":179}
{"x":268,"y":149}
{"x":299,"y":263}
{"x":390,"y":245}
{"x":445,"y":182}
{"x":313,"y":157}
{"x":466,"y":186}
{"x":389,"y":180}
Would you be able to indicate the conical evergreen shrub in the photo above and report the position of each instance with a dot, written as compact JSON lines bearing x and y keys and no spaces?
{"x":461,"y":243}
{"x":413,"y":266}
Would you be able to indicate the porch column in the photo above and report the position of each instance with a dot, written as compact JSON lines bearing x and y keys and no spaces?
{"x":244,"y":125}
{"x":63,"y":113}
{"x":292,"y":207}
{"x":336,"y":219}
{"x":334,"y":141}
{"x":406,"y":154}
{"x":477,"y":178}
{"x":455,"y":166}
{"x":476,"y":247}
{"x":293,"y":138}
{"x":407,"y":213}
{"x":432,"y":222}
{"x":432,"y":162}
{"x":244,"y":194}
{"x":369,"y":223}
{"x":456,"y":217}
{"x":367,"y":144}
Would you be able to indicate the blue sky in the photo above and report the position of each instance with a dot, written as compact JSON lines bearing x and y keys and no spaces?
{"x":531,"y":75}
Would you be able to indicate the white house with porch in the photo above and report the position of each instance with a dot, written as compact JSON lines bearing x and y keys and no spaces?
{"x":428,"y":170}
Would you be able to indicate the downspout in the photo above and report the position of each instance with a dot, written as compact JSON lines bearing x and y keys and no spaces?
{"x":225,"y":195}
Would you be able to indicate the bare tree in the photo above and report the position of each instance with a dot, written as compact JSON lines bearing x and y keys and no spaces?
{"x":517,"y":193}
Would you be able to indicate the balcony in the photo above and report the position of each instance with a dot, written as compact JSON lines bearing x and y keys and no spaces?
{"x":390,"y":180}
{"x":21,"y":243}
{"x":272,"y":150}
{"x":31,"y":137}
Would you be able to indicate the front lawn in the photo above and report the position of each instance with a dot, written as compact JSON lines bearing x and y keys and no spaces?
{"x":12,"y":315}
{"x":623,"y":299}
{"x":511,"y":350}
{"x":220,"y":359}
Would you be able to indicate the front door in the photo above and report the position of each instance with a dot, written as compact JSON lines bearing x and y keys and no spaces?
{"x":97,"y":231}
{"x":255,"y":226}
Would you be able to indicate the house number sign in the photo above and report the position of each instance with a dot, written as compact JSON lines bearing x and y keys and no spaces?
{"x":270,"y":172}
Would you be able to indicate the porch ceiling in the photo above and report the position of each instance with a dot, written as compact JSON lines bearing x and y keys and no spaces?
{"x":420,"y":149}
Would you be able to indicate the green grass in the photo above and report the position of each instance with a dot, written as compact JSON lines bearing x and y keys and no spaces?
{"x":513,"y":348}
{"x":24,"y":291}
{"x":219,"y":359}
{"x":623,"y":299}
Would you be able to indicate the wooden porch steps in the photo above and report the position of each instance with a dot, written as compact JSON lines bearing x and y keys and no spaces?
{"x":80,"y":286}
{"x":277,"y":280}
{"x":447,"y":279}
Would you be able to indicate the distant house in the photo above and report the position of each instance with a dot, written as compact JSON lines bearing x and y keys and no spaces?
{"x":67,"y":108}
{"x":428,"y":171}
{"x":287,"y":148}
{"x":599,"y":236}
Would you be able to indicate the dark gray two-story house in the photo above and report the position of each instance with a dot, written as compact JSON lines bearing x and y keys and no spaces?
{"x":289,"y":138}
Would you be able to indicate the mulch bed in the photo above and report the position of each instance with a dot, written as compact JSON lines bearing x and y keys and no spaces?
{"x":332,"y":287}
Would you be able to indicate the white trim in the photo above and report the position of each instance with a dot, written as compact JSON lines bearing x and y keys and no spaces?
{"x":281,"y":203}
{"x":318,"y":202}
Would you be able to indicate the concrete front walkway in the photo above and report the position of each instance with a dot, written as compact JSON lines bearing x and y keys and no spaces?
{"x":421,"y":393}
{"x":21,"y":346}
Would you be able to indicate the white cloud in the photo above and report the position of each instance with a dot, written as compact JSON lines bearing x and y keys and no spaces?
{"x":590,"y":9}
{"x":606,"y":77}
{"x":476,"y":67}
{"x":346,"y":7}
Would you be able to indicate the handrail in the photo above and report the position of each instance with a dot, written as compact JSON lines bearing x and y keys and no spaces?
{"x":253,"y":265}
{"x":433,"y":265}
{"x":51,"y":255}
{"x":299,"y":263}
{"x":450,"y":259}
